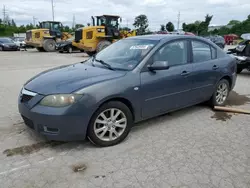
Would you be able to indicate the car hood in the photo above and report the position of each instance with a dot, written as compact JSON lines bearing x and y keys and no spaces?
{"x":10,"y":44}
{"x":69,"y":78}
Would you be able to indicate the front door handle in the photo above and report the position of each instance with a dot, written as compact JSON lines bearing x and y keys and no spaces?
{"x":215,"y":67}
{"x":185,"y":73}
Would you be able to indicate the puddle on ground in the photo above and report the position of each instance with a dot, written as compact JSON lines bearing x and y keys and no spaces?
{"x":234,"y":99}
{"x":79,"y":168}
{"x":25,"y":150}
{"x":221,"y":116}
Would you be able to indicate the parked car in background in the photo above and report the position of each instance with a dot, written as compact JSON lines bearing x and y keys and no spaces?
{"x":242,"y":54}
{"x":66,"y":46}
{"x":8,"y":44}
{"x":19,"y":41}
{"x":218,"y":40}
{"x":131,"y":80}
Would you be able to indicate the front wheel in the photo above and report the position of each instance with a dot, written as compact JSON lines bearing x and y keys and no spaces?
{"x":221,"y":93}
{"x":110,"y":124}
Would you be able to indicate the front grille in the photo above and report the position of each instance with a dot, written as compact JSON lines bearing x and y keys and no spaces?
{"x":26,"y":98}
{"x":28,"y":35}
{"x":78,"y":35}
{"x":28,"y":122}
{"x":89,"y":35}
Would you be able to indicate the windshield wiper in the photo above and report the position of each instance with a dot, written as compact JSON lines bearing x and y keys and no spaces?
{"x":102,"y":62}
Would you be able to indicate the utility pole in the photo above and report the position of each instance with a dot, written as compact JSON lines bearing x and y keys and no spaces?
{"x":52,"y":4}
{"x":74,"y":21}
{"x":34,"y":21}
{"x":178,"y":22}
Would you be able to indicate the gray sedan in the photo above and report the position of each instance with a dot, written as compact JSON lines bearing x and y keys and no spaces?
{"x":133,"y":79}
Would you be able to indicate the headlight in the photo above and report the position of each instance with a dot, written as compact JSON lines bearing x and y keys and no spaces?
{"x":60,"y":100}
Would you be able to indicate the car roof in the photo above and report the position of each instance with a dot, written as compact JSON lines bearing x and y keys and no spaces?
{"x":164,"y":37}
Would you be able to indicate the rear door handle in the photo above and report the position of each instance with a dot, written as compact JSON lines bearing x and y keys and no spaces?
{"x":215,"y":67}
{"x":185,"y":73}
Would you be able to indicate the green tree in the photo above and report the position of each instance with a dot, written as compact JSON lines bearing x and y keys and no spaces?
{"x":162,"y":28}
{"x":13,"y":23}
{"x":170,"y":26}
{"x":233,"y":22}
{"x":79,"y":26}
{"x":141,"y":23}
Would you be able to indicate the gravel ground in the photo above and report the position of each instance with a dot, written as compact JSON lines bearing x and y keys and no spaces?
{"x":194,"y":147}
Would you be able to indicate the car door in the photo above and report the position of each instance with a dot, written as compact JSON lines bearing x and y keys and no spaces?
{"x":165,"y":90}
{"x":206,"y":69}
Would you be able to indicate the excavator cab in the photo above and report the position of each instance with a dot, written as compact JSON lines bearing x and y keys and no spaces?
{"x":110,"y":22}
{"x":54,"y":27}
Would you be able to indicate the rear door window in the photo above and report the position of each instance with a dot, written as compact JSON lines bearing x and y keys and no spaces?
{"x":202,"y":52}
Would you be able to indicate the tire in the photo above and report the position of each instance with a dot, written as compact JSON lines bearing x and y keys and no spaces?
{"x":81,"y":50}
{"x":101,"y":45}
{"x":109,"y":126}
{"x":49,"y":45}
{"x":61,"y":51}
{"x":239,"y":70}
{"x":1,"y":48}
{"x":40,"y":49}
{"x":90,"y":53}
{"x":69,"y":50}
{"x":221,"y":84}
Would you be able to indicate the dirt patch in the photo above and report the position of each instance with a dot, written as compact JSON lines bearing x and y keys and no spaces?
{"x":79,"y":168}
{"x":221,"y":116}
{"x":25,"y":150}
{"x":235,"y":99}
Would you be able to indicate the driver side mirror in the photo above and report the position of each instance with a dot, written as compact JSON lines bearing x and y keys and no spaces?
{"x":159,"y":65}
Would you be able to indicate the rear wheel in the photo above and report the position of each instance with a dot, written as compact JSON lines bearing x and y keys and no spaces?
{"x":49,"y":45}
{"x":102,"y":44}
{"x":110,"y":124}
{"x":40,"y":49}
{"x":221,"y":93}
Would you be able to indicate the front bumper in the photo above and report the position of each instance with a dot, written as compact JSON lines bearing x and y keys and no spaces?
{"x":11,"y":48}
{"x":60,"y":124}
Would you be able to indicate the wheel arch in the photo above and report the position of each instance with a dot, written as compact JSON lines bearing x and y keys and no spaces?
{"x":119,"y":99}
{"x":229,"y":79}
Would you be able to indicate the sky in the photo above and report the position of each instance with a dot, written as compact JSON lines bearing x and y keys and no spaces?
{"x":158,"y":11}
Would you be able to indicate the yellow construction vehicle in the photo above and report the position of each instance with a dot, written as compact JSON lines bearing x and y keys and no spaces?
{"x":45,"y":38}
{"x":103,"y":32}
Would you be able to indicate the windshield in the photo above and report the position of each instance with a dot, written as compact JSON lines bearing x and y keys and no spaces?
{"x":125,"y":54}
{"x":5,"y":40}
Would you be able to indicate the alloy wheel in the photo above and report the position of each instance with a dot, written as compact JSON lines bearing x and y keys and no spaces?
{"x":221,"y":93}
{"x":110,"y":124}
